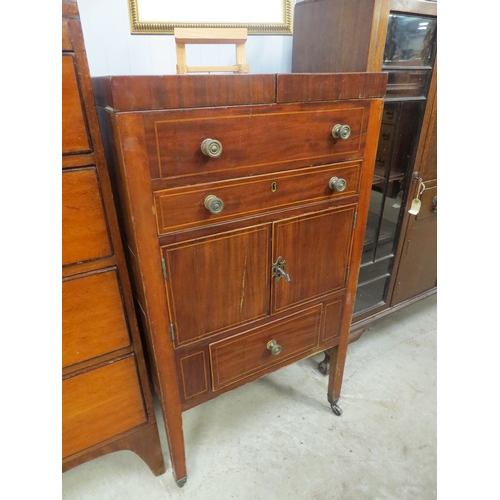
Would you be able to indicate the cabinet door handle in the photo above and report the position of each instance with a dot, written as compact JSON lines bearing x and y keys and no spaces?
{"x":213,"y":204}
{"x":211,"y":148}
{"x":435,"y":204}
{"x":278,"y":270}
{"x":274,"y":347}
{"x":341,"y":131}
{"x":336,"y":184}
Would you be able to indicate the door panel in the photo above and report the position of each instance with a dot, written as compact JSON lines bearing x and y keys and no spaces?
{"x":315,"y":262}
{"x":232,"y":269}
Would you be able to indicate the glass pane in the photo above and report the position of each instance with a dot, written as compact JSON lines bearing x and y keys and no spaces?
{"x":389,"y":221}
{"x":374,"y":212}
{"x":410,"y":40}
{"x":370,"y":294}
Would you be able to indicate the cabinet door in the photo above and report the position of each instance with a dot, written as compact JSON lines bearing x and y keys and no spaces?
{"x":218,"y":282}
{"x":417,"y":271}
{"x":316,"y":249}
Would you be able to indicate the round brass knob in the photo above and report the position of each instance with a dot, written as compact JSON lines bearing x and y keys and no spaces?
{"x":211,"y":148}
{"x":336,"y":184}
{"x":341,"y":131}
{"x":274,"y":347}
{"x":213,"y":204}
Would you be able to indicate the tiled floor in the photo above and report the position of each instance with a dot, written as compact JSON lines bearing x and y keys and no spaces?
{"x":277,"y":438}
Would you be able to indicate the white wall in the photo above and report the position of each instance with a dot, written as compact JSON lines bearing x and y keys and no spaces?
{"x":112,"y":50}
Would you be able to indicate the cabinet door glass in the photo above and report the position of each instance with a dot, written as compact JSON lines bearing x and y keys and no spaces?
{"x":410,"y":40}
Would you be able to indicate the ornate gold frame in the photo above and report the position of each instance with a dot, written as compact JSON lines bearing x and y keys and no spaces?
{"x":167,"y":27}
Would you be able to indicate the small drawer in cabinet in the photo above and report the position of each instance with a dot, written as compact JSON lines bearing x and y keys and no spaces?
{"x":179,"y":209}
{"x":74,"y":129}
{"x":254,"y":353}
{"x":84,"y":229}
{"x":93,"y":318}
{"x":386,"y":135}
{"x":390,"y":113}
{"x":100,"y":404}
{"x":222,"y":142}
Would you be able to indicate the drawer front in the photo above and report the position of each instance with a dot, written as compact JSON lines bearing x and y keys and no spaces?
{"x":390,"y":113}
{"x":179,"y":209}
{"x":84,"y":229}
{"x":245,"y":356}
{"x":93,"y":319}
{"x":267,"y":138}
{"x":67,"y":45}
{"x":386,"y":135}
{"x":100,"y":404}
{"x":74,"y":130}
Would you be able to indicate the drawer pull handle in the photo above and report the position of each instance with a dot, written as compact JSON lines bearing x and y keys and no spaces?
{"x":341,"y":131}
{"x":336,"y":184}
{"x":213,"y":204}
{"x":211,"y":148}
{"x":274,"y":347}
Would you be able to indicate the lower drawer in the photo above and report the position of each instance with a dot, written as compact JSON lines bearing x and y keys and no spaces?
{"x":248,"y":355}
{"x":93,"y":317}
{"x":100,"y":404}
{"x":84,"y":228}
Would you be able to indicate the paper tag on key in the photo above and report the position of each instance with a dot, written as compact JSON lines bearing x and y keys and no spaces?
{"x":416,"y":203}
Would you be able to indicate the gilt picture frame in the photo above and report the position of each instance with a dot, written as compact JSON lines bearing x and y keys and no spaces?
{"x":264,"y":17}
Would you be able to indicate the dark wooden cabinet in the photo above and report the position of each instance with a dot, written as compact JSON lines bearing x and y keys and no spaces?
{"x":398,"y":265}
{"x":106,"y":400}
{"x":244,"y":218}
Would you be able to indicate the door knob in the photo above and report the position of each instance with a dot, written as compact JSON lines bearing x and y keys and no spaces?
{"x":274,"y":347}
{"x":341,"y":131}
{"x":213,"y":204}
{"x":336,"y":184}
{"x":211,"y":148}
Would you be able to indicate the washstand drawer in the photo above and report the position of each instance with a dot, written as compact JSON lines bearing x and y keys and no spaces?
{"x":93,"y":319}
{"x":249,"y":355}
{"x":100,"y":404}
{"x":184,"y":208}
{"x":252,"y":139}
{"x":84,"y":228}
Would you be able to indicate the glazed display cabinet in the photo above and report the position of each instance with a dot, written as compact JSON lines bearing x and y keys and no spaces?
{"x":398,"y":263}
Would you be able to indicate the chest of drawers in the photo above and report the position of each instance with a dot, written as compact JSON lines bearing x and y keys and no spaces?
{"x":243,"y":202}
{"x":107,"y":403}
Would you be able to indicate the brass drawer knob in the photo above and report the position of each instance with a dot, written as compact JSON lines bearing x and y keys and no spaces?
{"x":211,"y":148}
{"x":213,"y":204}
{"x":341,"y":131}
{"x":274,"y":347}
{"x":336,"y":184}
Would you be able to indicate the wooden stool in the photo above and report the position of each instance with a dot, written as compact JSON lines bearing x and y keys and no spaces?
{"x":237,"y":36}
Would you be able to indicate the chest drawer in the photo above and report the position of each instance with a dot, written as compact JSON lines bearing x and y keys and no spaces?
{"x":249,"y":354}
{"x":252,"y":138}
{"x":74,"y":129}
{"x":92,"y":305}
{"x":179,"y":209}
{"x":84,"y":228}
{"x":100,"y":404}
